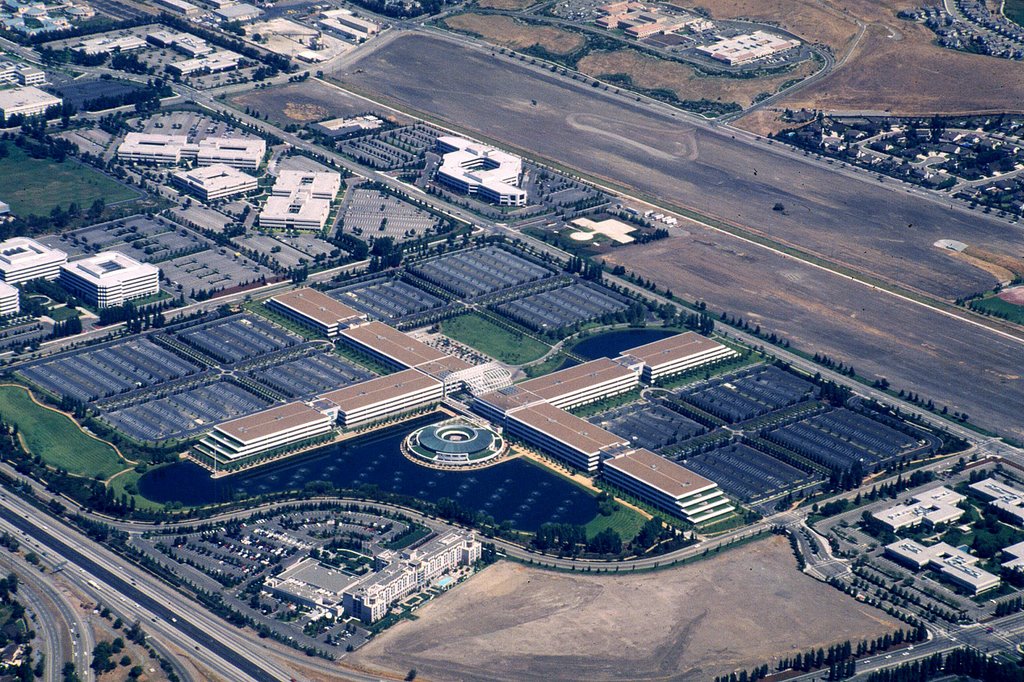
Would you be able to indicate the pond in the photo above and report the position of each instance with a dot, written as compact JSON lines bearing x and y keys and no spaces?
{"x":610,"y":344}
{"x":517,"y":490}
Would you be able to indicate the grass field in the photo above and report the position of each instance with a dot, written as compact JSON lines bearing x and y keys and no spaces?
{"x":515,"y":34}
{"x":1005,"y":309}
{"x":626,"y":522}
{"x":61,"y":313}
{"x":650,"y":73}
{"x":501,"y":344}
{"x":1014,"y":11}
{"x":56,"y":438}
{"x":35,"y":186}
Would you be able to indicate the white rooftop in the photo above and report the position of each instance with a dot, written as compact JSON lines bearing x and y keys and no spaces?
{"x":22,"y":252}
{"x":213,"y":177}
{"x":477,"y":164}
{"x":109,"y":267}
{"x":26,"y":96}
{"x":316,"y":182}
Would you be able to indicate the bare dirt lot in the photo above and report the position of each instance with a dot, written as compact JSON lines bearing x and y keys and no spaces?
{"x":893,"y":66}
{"x":506,"y":4}
{"x":650,"y":73}
{"x":508,"y":32}
{"x":303,"y":102}
{"x":516,"y":623}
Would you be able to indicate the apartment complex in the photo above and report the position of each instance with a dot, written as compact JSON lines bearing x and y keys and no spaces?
{"x":23,"y":259}
{"x":110,"y":279}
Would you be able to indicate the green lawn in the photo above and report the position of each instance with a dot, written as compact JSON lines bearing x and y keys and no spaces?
{"x":62,"y":313}
{"x":56,"y":438}
{"x":1005,"y":309}
{"x":511,"y":347}
{"x":37,"y":185}
{"x":624,"y":521}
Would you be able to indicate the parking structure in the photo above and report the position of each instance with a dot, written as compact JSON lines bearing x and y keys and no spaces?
{"x":648,"y":425}
{"x":471,"y":274}
{"x":737,"y":398}
{"x":388,"y":300}
{"x":185,"y":412}
{"x":370,"y":213}
{"x":309,"y":375}
{"x":109,"y":370}
{"x":563,"y":307}
{"x":392,"y":149}
{"x":235,"y":339}
{"x":745,"y":473}
{"x":841,"y":437}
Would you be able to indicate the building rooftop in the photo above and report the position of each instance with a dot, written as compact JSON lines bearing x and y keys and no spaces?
{"x":510,"y":398}
{"x":26,"y":96}
{"x":379,"y":390}
{"x":268,"y":422}
{"x":566,"y":428}
{"x":477,"y":164}
{"x":673,"y":348}
{"x":394,"y":344}
{"x":214,"y":177}
{"x":317,"y":183}
{"x":449,"y":364}
{"x":109,"y":267}
{"x":297,"y":207}
{"x":657,"y":472}
{"x":22,"y":252}
{"x":578,"y":377}
{"x":318,"y":306}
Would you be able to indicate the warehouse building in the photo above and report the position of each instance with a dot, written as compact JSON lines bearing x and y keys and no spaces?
{"x":218,"y":181}
{"x":667,"y":485}
{"x":260,"y":433}
{"x":242,"y":12}
{"x":317,"y":310}
{"x":10,"y":301}
{"x":676,"y":354}
{"x":381,"y":398}
{"x":26,"y":101}
{"x":342,"y":21}
{"x":390,"y":346}
{"x":110,"y":279}
{"x":567,"y":437}
{"x":179,"y":7}
{"x":490,"y":173}
{"x":954,"y":565}
{"x":23,"y":259}
{"x":586,"y":383}
{"x":931,"y":507}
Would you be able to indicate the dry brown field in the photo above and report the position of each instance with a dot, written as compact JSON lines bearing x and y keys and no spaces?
{"x":305,"y":102}
{"x":508,"y":32}
{"x":651,"y":73}
{"x":506,"y":4}
{"x":511,"y":622}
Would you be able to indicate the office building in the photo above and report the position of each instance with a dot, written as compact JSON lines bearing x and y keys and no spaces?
{"x":666,"y":485}
{"x":487,"y":172}
{"x":277,"y":428}
{"x":1003,"y":497}
{"x":390,"y":346}
{"x":179,"y":7}
{"x":300,"y":200}
{"x":245,"y":153}
{"x":342,"y":21}
{"x":586,"y":383}
{"x":218,"y":62}
{"x":26,"y":101}
{"x":748,"y":47}
{"x":569,"y":438}
{"x":381,"y":398}
{"x":10,"y":301}
{"x":185,"y":43}
{"x":497,"y":404}
{"x":679,"y":353}
{"x":317,"y":310}
{"x":954,"y":565}
{"x":23,"y":259}
{"x":218,"y":181}
{"x":931,"y":507}
{"x":110,"y":279}
{"x":317,"y":184}
{"x":30,"y":75}
{"x":109,"y":44}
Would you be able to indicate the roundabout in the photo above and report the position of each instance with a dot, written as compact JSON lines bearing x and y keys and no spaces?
{"x":454,"y":444}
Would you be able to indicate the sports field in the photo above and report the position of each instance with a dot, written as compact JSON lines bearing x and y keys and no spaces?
{"x":35,"y":186}
{"x":56,"y":437}
{"x":503,"y":345}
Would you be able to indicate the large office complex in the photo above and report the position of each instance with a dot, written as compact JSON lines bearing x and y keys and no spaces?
{"x":676,"y":354}
{"x":315,"y":309}
{"x":218,"y":181}
{"x":317,"y":184}
{"x":23,"y":259}
{"x":748,"y":47}
{"x":473,"y":168}
{"x":9,"y":300}
{"x":237,"y":152}
{"x":218,"y":62}
{"x":27,"y":101}
{"x":110,"y":279}
{"x":109,"y":44}
{"x":931,"y":507}
{"x":667,"y":485}
{"x":263,"y":432}
{"x":563,"y":435}
{"x":300,"y":200}
{"x":954,"y":565}
{"x":1001,"y":496}
{"x":381,"y":398}
{"x":390,"y":346}
{"x":586,"y":383}
{"x":152,"y":148}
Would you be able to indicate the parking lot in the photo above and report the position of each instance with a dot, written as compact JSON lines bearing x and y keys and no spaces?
{"x":564,"y":307}
{"x":239,"y":338}
{"x":369,"y":213}
{"x":648,"y":425}
{"x":211,"y":271}
{"x":185,"y":412}
{"x":745,"y":473}
{"x":753,"y":393}
{"x":387,"y":299}
{"x":109,"y":370}
{"x":392,"y":149}
{"x":309,"y":375}
{"x":480,"y":271}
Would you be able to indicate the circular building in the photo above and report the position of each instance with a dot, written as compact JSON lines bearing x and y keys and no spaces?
{"x":454,"y":443}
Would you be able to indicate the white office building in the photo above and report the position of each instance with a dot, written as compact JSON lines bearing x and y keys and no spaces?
{"x":262,"y":432}
{"x":300,"y":200}
{"x":110,"y":279}
{"x":473,"y":168}
{"x":318,"y":184}
{"x":218,"y":181}
{"x":238,"y":152}
{"x":152,"y":148}
{"x":381,"y":398}
{"x":9,"y":300}
{"x":931,"y":507}
{"x":23,"y":259}
{"x":246,"y":153}
{"x":27,"y":101}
